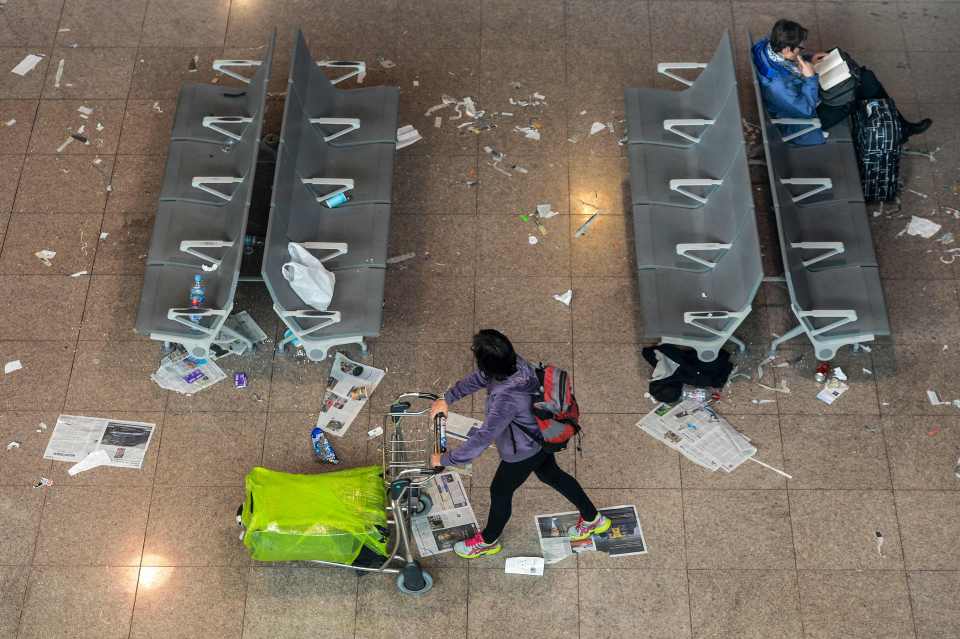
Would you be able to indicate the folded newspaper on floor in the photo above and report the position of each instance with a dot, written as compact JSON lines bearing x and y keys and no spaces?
{"x":624,"y":538}
{"x":449,"y":519}
{"x":186,"y":374}
{"x":699,"y":433}
{"x":349,"y":386}
{"x":75,"y":437}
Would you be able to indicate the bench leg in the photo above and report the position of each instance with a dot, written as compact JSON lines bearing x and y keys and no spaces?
{"x":786,"y":337}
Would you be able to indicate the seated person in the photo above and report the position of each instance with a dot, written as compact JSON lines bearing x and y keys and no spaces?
{"x":790,"y":89}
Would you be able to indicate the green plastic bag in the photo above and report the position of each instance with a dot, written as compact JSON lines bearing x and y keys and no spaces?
{"x":323,"y":517}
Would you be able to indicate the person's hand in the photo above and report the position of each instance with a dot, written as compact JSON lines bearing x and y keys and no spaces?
{"x":806,"y":68}
{"x":435,"y":459}
{"x":817,"y":57}
{"x":439,"y":406}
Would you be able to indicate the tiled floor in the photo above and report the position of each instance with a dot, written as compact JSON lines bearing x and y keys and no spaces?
{"x":154,"y":553}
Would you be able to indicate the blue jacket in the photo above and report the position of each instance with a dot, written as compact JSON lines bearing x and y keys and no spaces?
{"x":508,"y":401}
{"x":787,"y":94}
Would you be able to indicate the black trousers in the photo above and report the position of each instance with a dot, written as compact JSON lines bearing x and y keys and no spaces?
{"x":868,"y":89}
{"x":511,"y":475}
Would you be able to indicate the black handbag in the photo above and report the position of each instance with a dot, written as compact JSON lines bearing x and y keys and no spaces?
{"x":846,"y":92}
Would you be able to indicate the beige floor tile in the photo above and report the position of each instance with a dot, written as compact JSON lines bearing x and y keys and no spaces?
{"x":14,"y":138}
{"x":30,"y":24}
{"x":606,"y":249}
{"x":906,"y":372}
{"x":124,"y":250}
{"x":921,"y":310}
{"x":828,"y":451}
{"x":287,"y":446}
{"x":607,"y":309}
{"x":92,"y":602}
{"x":935,"y":596}
{"x":554,"y":616}
{"x":42,"y":382}
{"x":197,"y":527}
{"x":210,"y":449}
{"x":20,"y":507}
{"x":411,"y":308}
{"x":523,"y":308}
{"x":445,"y":193}
{"x":24,"y":465}
{"x":188,"y":24}
{"x":101,"y":23}
{"x":442,"y":244}
{"x":189,"y":602}
{"x":92,"y":526}
{"x":384,"y":611}
{"x":72,"y":237}
{"x":504,"y":247}
{"x":55,"y":310}
{"x":929,"y":525}
{"x":838,"y":529}
{"x":665,"y":612}
{"x":855,"y":605}
{"x":593,"y":367}
{"x":115,"y":376}
{"x":860,"y":399}
{"x":533,"y":24}
{"x":160,"y":71}
{"x":754,"y":604}
{"x":923,"y":451}
{"x":135,"y":185}
{"x":294,"y":601}
{"x":13,"y":590}
{"x":764,"y":433}
{"x":428,"y":368}
{"x":30,"y":85}
{"x":546,"y":183}
{"x":617,"y":454}
{"x":57,"y":184}
{"x":94,"y":72}
{"x":752,"y":527}
{"x":111,"y":313}
{"x":57,"y":120}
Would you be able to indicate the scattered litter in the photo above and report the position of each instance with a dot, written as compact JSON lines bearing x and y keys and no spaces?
{"x":762,"y":401}
{"x":528,"y":132}
{"x":65,"y":144}
{"x":100,"y":126}
{"x":933,"y":432}
{"x":45,"y":255}
{"x":43,"y":427}
{"x":524,"y":566}
{"x":437,"y":122}
{"x":396,"y":259}
{"x":95,"y":441}
{"x":781,"y":388}
{"x":194,"y":64}
{"x":104,"y":235}
{"x":26,"y":65}
{"x":43,"y":481}
{"x":12,"y":445}
{"x":63,"y":30}
{"x":385,"y":63}
{"x":922,"y":154}
{"x":156,"y":107}
{"x":839,"y":374}
{"x":650,"y":397}
{"x":85,"y":111}
{"x":934,"y":398}
{"x":597,"y":127}
{"x":761,"y":365}
{"x":922,"y":227}
{"x":873,"y":428}
{"x":584,"y":112}
{"x":533,"y":240}
{"x":240,"y":380}
{"x":10,"y":122}
{"x":544,"y":211}
{"x":497,"y":158}
{"x":868,"y":371}
{"x":564,"y":298}
{"x":96,"y":458}
{"x":59,"y":75}
{"x":923,"y":195}
{"x":407,"y":135}
{"x":833,"y":389}
{"x":862,"y":347}
{"x":80,"y":138}
{"x":586,"y":225}
{"x":416,"y":83}
{"x":956,"y":469}
{"x":375,"y":432}
{"x":79,"y":273}
{"x":573,"y":139}
{"x":186,"y":374}
{"x":879,"y":537}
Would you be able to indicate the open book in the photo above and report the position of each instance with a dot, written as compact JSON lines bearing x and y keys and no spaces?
{"x":832,"y":70}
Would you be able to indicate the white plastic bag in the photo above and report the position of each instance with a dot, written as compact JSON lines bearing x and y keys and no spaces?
{"x":308,"y":278}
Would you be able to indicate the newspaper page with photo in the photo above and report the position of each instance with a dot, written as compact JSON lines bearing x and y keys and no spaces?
{"x":699,"y":433}
{"x":181,"y":372}
{"x":624,"y":538}
{"x":449,"y":519}
{"x":74,"y":437}
{"x":349,"y":386}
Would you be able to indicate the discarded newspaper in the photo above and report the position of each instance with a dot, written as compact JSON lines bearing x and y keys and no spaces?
{"x":75,"y":437}
{"x":624,"y":538}
{"x":699,"y":433}
{"x":349,"y":386}
{"x":185,"y":374}
{"x":450,"y":518}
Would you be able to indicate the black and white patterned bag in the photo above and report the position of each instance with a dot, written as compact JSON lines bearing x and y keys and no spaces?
{"x":877,"y":133}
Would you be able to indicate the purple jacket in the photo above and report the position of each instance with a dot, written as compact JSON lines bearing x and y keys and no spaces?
{"x":507,"y":401}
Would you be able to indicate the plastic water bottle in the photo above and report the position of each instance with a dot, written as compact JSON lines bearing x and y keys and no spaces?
{"x":197,"y":298}
{"x":336,"y":200}
{"x":251,"y":243}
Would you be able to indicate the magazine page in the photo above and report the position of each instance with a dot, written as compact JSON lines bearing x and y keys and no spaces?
{"x":349,"y":386}
{"x":185,"y":374}
{"x":450,"y":518}
{"x":74,"y":437}
{"x":624,"y":538}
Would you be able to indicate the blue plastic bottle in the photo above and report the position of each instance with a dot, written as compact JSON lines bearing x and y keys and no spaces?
{"x":197,"y":298}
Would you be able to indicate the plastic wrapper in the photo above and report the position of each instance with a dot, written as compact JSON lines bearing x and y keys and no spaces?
{"x":324,"y":517}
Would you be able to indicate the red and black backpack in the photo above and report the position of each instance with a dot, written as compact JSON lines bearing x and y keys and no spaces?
{"x":555,"y":409}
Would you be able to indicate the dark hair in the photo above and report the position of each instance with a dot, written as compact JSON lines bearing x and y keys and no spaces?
{"x":787,"y":34}
{"x":494,"y":353}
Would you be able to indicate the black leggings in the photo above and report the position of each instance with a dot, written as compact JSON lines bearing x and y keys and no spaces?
{"x":511,"y":475}
{"x":868,"y":89}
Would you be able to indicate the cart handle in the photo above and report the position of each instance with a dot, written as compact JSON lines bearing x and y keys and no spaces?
{"x":430,"y":397}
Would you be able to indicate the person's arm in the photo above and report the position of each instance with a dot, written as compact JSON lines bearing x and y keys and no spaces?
{"x":466,"y":386}
{"x":500,"y":415}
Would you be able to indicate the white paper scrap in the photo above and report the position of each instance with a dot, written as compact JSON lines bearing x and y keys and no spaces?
{"x":59,"y":75}
{"x":84,"y":110}
{"x":544,"y":211}
{"x":98,"y":457}
{"x":833,"y":389}
{"x":524,"y":566}
{"x":564,"y":298}
{"x":14,"y":365}
{"x":934,"y":398}
{"x":10,"y":122}
{"x":79,"y":273}
{"x":839,"y":374}
{"x":26,"y":65}
{"x":12,"y":445}
{"x":375,"y":432}
{"x":401,"y":258}
{"x":528,"y":132}
{"x":103,"y":236}
{"x":597,"y":127}
{"x":533,"y":240}
{"x":45,"y":255}
{"x":437,"y":122}
{"x":65,"y":144}
{"x":922,"y":227}
{"x":407,"y":135}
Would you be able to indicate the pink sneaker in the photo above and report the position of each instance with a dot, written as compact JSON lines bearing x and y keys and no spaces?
{"x":475,"y":547}
{"x":585,"y":529}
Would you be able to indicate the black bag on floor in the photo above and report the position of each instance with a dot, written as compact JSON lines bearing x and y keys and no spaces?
{"x":877,"y":133}
{"x":686,"y":368}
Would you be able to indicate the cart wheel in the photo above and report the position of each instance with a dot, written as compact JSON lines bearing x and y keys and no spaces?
{"x":423,"y":505}
{"x":240,"y":515}
{"x":427,"y":584}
